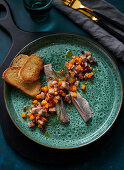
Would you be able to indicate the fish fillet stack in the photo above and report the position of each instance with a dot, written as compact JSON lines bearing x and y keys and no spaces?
{"x":24,"y":74}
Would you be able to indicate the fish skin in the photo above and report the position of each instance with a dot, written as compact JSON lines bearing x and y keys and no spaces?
{"x":82,"y":106}
{"x":63,"y":117}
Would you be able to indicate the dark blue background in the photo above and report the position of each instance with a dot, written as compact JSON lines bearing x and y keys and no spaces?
{"x":110,"y":156}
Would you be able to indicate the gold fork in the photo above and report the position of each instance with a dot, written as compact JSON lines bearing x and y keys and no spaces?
{"x":98,"y":18}
{"x":76,"y":4}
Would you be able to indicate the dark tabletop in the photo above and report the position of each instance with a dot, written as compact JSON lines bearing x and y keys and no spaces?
{"x":111,"y":155}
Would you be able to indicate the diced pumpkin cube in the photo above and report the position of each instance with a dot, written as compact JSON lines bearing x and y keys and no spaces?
{"x":39,"y":126}
{"x":55,"y":100}
{"x":34,"y":101}
{"x":38,"y":96}
{"x":46,"y":106}
{"x":72,"y":61}
{"x":79,"y":67}
{"x":24,"y":115}
{"x":63,"y":94}
{"x":32,"y":117}
{"x":44,"y":102}
{"x":29,"y":115}
{"x":72,"y":73}
{"x":44,"y":89}
{"x":67,"y":64}
{"x":44,"y":119}
{"x":60,"y":83}
{"x":83,"y":87}
{"x":74,"y":88}
{"x":74,"y":94}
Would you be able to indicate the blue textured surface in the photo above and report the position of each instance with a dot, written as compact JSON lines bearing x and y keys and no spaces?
{"x":111,"y":155}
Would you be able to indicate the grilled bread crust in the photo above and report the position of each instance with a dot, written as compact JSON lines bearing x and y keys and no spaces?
{"x":20,"y":60}
{"x":10,"y":75}
{"x":30,"y":71}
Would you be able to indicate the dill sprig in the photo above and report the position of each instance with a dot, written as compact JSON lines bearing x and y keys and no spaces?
{"x":54,"y":120}
{"x":28,"y":107}
{"x":63,"y":72}
{"x":68,"y":55}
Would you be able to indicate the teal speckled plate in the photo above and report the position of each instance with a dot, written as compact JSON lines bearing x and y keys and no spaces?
{"x":104,"y":94}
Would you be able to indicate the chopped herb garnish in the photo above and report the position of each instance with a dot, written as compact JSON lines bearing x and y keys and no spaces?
{"x":44,"y":84}
{"x":69,"y":55}
{"x":86,"y":83}
{"x":46,"y":134}
{"x":28,"y":107}
{"x":63,"y":72}
{"x":98,"y":70}
{"x":94,"y":70}
{"x":54,"y":120}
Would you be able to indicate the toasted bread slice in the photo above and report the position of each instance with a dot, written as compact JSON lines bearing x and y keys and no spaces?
{"x":10,"y":75}
{"x":30,"y":70}
{"x":20,"y":60}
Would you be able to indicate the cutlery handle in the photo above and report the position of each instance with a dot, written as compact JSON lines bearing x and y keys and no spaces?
{"x":101,"y":23}
{"x":110,"y":30}
{"x":111,"y":21}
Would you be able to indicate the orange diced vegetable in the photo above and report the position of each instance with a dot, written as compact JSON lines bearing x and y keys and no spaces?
{"x":70,"y":66}
{"x":44,"y":119}
{"x":47,"y":98}
{"x":74,"y":57}
{"x":32,"y":117}
{"x":39,"y":126}
{"x":79,"y":60}
{"x":44,"y":89}
{"x":90,"y":74}
{"x":66,"y":64}
{"x":38,"y":117}
{"x":24,"y":115}
{"x":72,"y":61}
{"x":34,"y":101}
{"x":83,"y":87}
{"x":74,"y":94}
{"x":61,"y":87}
{"x":72,"y":73}
{"x":60,"y":83}
{"x":44,"y":102}
{"x":29,"y":114}
{"x":74,"y":88}
{"x":79,"y":67}
{"x":61,"y":91}
{"x":63,"y":94}
{"x":46,"y":106}
{"x":38,"y":96}
{"x":72,"y":80}
{"x":55,"y":100}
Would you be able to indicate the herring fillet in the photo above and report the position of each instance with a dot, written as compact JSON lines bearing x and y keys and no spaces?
{"x":63,"y":116}
{"x":49,"y":72}
{"x":82,"y":106}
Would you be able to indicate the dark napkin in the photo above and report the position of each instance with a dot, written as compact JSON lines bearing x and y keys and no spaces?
{"x":98,"y":33}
